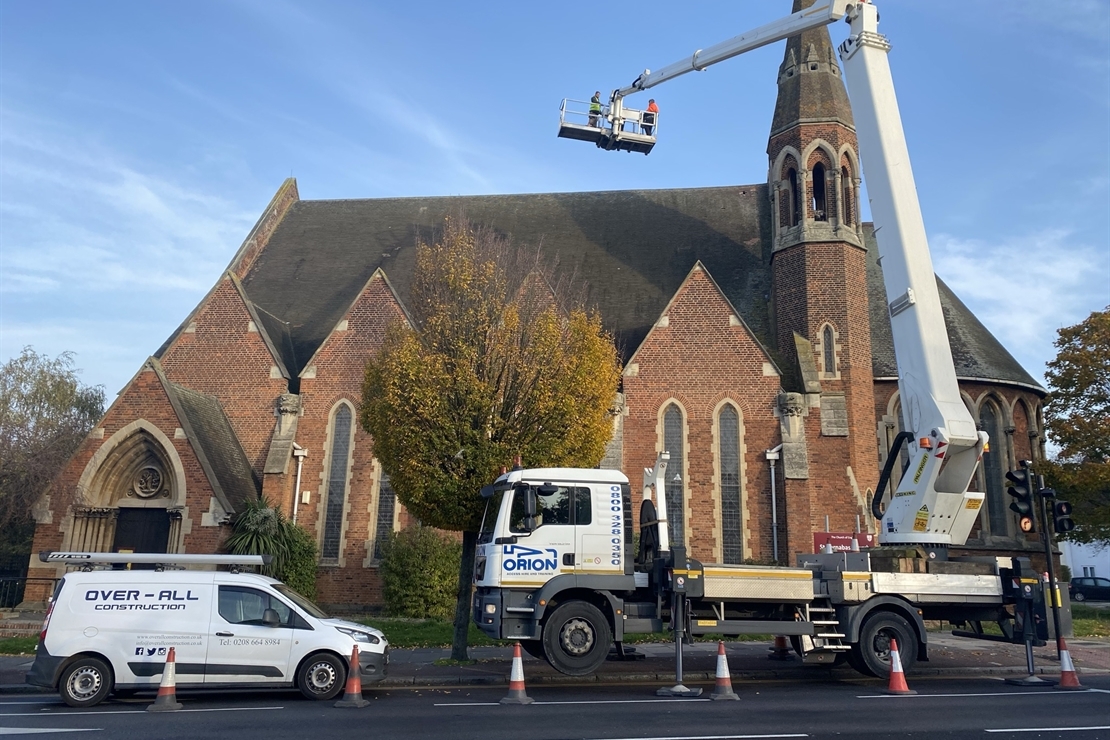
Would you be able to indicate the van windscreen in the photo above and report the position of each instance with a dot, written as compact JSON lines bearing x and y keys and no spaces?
{"x":301,"y":601}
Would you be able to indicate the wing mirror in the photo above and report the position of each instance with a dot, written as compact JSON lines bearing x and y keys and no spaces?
{"x":270,"y":618}
{"x":529,"y":493}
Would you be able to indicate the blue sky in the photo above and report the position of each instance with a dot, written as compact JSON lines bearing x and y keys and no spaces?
{"x":140,"y":141}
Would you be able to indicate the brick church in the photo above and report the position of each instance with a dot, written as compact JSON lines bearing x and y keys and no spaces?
{"x":750,"y":318}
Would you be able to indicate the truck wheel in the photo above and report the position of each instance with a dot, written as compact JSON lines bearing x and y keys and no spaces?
{"x":576,"y":638}
{"x":534,"y":648}
{"x":871,"y":655}
{"x":85,"y":682}
{"x":321,"y":676}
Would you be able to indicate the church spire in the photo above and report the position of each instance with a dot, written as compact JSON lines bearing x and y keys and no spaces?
{"x":813,"y":167}
{"x":811,"y":88}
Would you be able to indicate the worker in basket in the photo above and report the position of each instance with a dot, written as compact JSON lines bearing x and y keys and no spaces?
{"x":595,"y":110}
{"x":647,"y":122}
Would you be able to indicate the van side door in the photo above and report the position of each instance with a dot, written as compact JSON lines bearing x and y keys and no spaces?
{"x":243,"y":647}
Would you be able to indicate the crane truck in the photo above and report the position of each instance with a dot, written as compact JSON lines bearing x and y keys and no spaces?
{"x":555,"y":566}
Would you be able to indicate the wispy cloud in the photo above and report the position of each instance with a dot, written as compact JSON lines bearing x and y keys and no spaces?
{"x":79,"y":215}
{"x":1024,"y":288}
{"x":346,"y":65}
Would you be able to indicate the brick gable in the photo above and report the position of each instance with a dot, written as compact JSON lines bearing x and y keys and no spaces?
{"x":335,"y":374}
{"x":224,"y":353}
{"x":701,"y":355}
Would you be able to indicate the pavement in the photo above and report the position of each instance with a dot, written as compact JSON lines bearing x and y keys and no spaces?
{"x":748,"y":661}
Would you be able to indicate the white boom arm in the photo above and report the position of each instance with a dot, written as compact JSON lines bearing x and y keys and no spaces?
{"x":820,"y":14}
{"x":931,"y":504}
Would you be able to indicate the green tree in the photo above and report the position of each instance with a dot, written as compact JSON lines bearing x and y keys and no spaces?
{"x":1077,"y":416}
{"x":45,"y":413}
{"x":502,"y":361}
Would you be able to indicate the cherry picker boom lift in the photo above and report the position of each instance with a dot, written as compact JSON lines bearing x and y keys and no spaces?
{"x":568,"y":591}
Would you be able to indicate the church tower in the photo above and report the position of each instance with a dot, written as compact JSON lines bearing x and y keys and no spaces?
{"x":820,"y":303}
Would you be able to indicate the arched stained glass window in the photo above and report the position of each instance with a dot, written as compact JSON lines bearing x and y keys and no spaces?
{"x":674,"y":443}
{"x":828,"y":347}
{"x":387,"y":503}
{"x":337,"y":483}
{"x":732,"y":541}
{"x":993,"y":462}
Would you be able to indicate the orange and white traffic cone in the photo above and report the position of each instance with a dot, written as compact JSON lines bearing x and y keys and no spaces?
{"x":352,"y":695}
{"x":1069,"y":680}
{"x":723,"y":690}
{"x":516,"y":681}
{"x":781,"y":650}
{"x":167,"y":689}
{"x":897,"y":676}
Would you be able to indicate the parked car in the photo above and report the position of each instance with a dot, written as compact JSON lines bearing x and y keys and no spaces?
{"x":1095,"y":589}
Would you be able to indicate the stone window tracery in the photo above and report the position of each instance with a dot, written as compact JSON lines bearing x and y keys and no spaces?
{"x":339,"y":461}
{"x":674,"y":442}
{"x":728,"y":451}
{"x":990,"y":420}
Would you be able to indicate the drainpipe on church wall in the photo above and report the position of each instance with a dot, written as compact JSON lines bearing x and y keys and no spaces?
{"x":300,"y":453}
{"x":772,"y":456}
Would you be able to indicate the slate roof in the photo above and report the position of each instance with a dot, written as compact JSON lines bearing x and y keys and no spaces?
{"x":215,"y":444}
{"x":810,"y":85}
{"x":633,"y":248}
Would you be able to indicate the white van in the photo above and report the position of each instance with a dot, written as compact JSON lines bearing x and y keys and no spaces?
{"x":110,"y":630}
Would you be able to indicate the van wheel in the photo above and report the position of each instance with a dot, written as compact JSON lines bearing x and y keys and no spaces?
{"x":322,"y":676}
{"x":85,"y":682}
{"x":576,"y":638}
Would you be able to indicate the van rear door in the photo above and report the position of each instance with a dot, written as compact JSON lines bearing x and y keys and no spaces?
{"x":242,"y":648}
{"x":134,"y":619}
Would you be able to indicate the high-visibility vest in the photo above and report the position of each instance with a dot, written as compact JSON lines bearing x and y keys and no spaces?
{"x":595,"y":104}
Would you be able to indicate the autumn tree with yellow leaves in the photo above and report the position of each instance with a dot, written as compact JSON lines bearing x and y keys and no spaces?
{"x":501,"y":360}
{"x":1077,"y":415}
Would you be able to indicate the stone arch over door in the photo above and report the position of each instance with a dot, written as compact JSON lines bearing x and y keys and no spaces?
{"x":136,"y":469}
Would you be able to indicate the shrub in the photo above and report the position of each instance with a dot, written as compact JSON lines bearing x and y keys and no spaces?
{"x":261,"y":529}
{"x":420,"y":572}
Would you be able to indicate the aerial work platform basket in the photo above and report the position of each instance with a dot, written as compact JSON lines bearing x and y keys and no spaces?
{"x":615,"y":128}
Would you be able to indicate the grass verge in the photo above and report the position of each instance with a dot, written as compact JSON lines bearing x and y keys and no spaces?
{"x":18,"y":645}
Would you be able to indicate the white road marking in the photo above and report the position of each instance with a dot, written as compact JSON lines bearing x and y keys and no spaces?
{"x":43,"y":730}
{"x":596,"y":701}
{"x":1054,"y":729}
{"x":997,"y":693}
{"x":134,"y":711}
{"x":711,"y":737}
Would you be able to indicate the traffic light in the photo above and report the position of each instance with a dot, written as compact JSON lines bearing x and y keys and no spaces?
{"x":1021,"y":488}
{"x":1061,"y":512}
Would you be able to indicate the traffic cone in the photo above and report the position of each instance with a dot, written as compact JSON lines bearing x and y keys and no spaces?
{"x":897,"y":677}
{"x":516,"y":681}
{"x":352,"y":695}
{"x":167,"y":689}
{"x":781,"y":651}
{"x":1069,"y":680}
{"x":723,"y":690}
